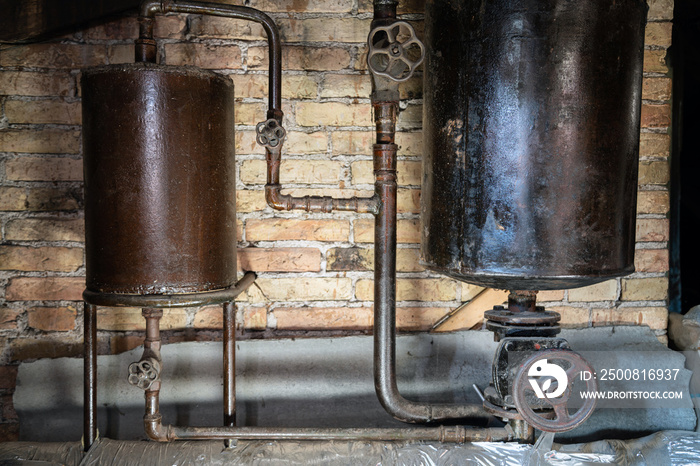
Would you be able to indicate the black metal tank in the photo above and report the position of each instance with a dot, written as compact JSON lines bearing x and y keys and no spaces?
{"x":160,"y":214}
{"x":531,"y":133}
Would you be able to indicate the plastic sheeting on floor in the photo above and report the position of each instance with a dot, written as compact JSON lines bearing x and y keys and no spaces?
{"x":674,"y":448}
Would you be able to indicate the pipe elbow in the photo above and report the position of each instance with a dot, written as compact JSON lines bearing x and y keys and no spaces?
{"x":149,"y":8}
{"x":275,"y":198}
{"x":154,"y":428}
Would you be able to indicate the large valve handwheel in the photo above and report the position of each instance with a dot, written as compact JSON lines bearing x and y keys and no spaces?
{"x":394,"y":51}
{"x":546,"y":380}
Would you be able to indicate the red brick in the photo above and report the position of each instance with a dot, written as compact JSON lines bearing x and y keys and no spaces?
{"x":58,"y":319}
{"x":216,"y":27}
{"x":312,"y":318}
{"x":8,"y":410}
{"x":656,"y":116}
{"x":119,"y":29}
{"x":658,"y":34}
{"x":414,"y":319}
{"x":122,"y":343}
{"x":203,"y":55}
{"x":54,"y":55}
{"x":9,"y":432}
{"x":660,"y":9}
{"x":295,"y":6}
{"x":656,"y":88}
{"x":325,"y":30}
{"x":255,"y":318}
{"x":280,"y":229}
{"x":655,"y":61}
{"x":8,"y":318}
{"x":279,"y":259}
{"x":45,"y":229}
{"x":43,"y":111}
{"x":209,"y":317}
{"x":653,"y":317}
{"x":31,"y":83}
{"x":44,"y":141}
{"x":302,"y":58}
{"x":408,"y":230}
{"x":652,"y":229}
{"x":44,"y":169}
{"x":23,"y":349}
{"x":40,"y":199}
{"x":651,"y":260}
{"x":8,"y":377}
{"x":652,"y":202}
{"x":170,"y":27}
{"x":25,"y":258}
{"x":654,"y":145}
{"x":45,"y":289}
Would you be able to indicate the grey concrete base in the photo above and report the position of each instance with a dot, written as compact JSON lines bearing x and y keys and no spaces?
{"x":317,"y":382}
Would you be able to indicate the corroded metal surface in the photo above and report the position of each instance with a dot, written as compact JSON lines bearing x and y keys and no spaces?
{"x":159,"y":180}
{"x":531,"y":135}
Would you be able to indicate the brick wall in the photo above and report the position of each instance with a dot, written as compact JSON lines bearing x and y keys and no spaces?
{"x":315,"y":270}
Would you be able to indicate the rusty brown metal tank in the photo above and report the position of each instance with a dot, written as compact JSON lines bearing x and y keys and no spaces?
{"x":531,"y":130}
{"x":159,"y":179}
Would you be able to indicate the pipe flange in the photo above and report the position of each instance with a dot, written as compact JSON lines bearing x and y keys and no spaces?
{"x":270,"y":134}
{"x":547,"y":379}
{"x":394,"y":51}
{"x":143,"y":374}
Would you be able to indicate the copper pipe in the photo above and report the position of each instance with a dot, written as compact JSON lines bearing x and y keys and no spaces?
{"x":229,"y":367}
{"x":279,"y":201}
{"x":386,"y":387}
{"x":145,"y":46}
{"x":89,"y":375}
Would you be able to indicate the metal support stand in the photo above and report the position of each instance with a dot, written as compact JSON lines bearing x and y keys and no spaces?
{"x":229,"y":369}
{"x":90,"y":376}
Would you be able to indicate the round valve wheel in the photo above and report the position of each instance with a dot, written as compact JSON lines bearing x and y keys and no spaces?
{"x":546,"y":380}
{"x":270,"y":133}
{"x":394,"y":51}
{"x":142,"y":374}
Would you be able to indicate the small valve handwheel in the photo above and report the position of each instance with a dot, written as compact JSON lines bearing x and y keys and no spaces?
{"x":546,"y":380}
{"x":144,"y":373}
{"x":270,"y":133}
{"x":394,"y":51}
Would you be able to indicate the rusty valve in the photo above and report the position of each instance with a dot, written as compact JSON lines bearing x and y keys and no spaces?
{"x":270,"y":134}
{"x":546,"y":380}
{"x":394,"y":51}
{"x":144,"y":373}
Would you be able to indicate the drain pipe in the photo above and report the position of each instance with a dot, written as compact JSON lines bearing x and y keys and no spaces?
{"x":386,"y":49}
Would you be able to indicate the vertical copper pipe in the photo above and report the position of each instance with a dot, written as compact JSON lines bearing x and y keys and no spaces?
{"x":89,"y":375}
{"x":229,"y":368}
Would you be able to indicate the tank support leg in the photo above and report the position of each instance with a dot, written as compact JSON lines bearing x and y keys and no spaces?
{"x":89,"y":375}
